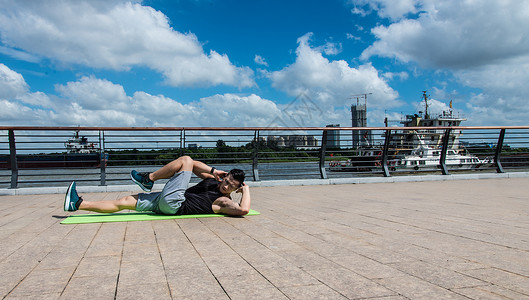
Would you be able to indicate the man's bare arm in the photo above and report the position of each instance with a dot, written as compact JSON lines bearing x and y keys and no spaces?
{"x":203,"y":171}
{"x":225,"y":205}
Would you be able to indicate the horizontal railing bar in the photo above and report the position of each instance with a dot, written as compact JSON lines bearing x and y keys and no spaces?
{"x":48,"y":128}
{"x":54,"y":135}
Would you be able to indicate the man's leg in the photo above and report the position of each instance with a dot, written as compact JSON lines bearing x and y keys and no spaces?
{"x":146,"y":180}
{"x":110,"y":206}
{"x":73,"y":202}
{"x":183,"y":163}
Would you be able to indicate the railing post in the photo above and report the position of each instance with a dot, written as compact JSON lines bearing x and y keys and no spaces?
{"x":102,"y":158}
{"x":13,"y":159}
{"x":499,"y":146}
{"x":255,"y":154}
{"x":323,"y":148}
{"x":384,"y":162}
{"x":442,"y":159}
{"x":182,"y":142}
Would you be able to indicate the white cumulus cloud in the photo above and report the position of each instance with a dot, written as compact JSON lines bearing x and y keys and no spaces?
{"x":91,"y":101}
{"x":330,"y":82}
{"x":393,"y":9}
{"x":457,"y":34}
{"x":260,"y":60}
{"x":327,"y":86}
{"x":114,"y":35}
{"x":483,"y":44}
{"x":12,"y":84}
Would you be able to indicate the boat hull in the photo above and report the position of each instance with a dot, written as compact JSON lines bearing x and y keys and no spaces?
{"x":44,"y":161}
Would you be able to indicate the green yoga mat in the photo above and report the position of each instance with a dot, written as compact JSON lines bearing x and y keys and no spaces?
{"x":135,"y":216}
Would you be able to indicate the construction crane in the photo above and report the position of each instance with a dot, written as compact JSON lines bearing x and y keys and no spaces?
{"x":358,"y":96}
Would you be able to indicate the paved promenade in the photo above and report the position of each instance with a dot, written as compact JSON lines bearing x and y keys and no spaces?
{"x":462,"y":239}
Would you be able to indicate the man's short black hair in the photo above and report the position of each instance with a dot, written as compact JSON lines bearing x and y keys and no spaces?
{"x":237,"y":174}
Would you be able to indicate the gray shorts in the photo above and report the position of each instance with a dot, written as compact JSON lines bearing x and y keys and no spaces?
{"x":169,"y":200}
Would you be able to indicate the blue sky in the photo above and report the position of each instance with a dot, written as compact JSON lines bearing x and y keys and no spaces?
{"x":251,"y":63}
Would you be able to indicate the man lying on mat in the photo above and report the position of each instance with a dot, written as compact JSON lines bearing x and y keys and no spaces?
{"x":211,"y":195}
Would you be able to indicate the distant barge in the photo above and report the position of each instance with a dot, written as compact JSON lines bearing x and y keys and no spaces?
{"x":79,"y":154}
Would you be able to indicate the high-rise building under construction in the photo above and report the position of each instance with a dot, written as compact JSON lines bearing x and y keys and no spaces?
{"x":359,"y":119}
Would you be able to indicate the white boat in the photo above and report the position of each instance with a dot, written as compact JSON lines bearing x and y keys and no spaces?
{"x":415,"y":149}
{"x":426,"y":157}
{"x":77,"y":144}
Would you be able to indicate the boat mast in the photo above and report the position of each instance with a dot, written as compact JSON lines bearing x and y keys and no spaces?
{"x":426,"y":115}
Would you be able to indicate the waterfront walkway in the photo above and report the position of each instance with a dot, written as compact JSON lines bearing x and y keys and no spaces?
{"x":409,"y":240}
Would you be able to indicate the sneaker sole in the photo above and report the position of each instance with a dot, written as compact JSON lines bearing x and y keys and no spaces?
{"x":139,"y":183}
{"x":67,"y":197}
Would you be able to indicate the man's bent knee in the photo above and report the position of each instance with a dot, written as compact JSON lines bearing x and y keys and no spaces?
{"x":186,"y":159}
{"x":187,"y":163}
{"x":127,"y":202}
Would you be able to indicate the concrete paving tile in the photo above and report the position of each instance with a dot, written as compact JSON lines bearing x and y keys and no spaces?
{"x":294,"y":235}
{"x":195,"y":231}
{"x":133,"y":251}
{"x":13,"y":242}
{"x":220,"y":296}
{"x":350,"y":284}
{"x":382,"y":255}
{"x":179,"y":260}
{"x":246,"y":246}
{"x":60,"y":259}
{"x":244,"y":283}
{"x":319,"y":291}
{"x":213,"y":248}
{"x":236,"y":239}
{"x":35,"y":297}
{"x":256,"y":230}
{"x":307,"y":260}
{"x":348,"y":241}
{"x":261,"y":294}
{"x":101,"y":249}
{"x":158,"y":290}
{"x":438,"y":276}
{"x":366,"y":267}
{"x":43,"y":282}
{"x":501,"y":278}
{"x":95,"y":287}
{"x":230,"y":265}
{"x":490,"y":292}
{"x":193,"y":283}
{"x":279,"y":244}
{"x":325,"y":249}
{"x":141,"y":272}
{"x":108,"y":240}
{"x":13,"y":273}
{"x":263,"y":258}
{"x":455,"y":263}
{"x":69,"y":251}
{"x":287,"y":275}
{"x":506,"y":259}
{"x":414,"y":288}
{"x":98,"y":266}
{"x":139,"y":232}
{"x":180,"y":247}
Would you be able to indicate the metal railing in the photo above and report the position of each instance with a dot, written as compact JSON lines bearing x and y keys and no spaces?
{"x":36,"y":156}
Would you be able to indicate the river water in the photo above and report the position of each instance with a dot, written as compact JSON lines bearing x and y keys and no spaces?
{"x":120,"y":175}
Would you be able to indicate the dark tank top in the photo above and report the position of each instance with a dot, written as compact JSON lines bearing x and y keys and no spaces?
{"x":200,"y":197}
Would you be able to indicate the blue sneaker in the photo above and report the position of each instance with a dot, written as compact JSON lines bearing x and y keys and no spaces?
{"x":142,"y":179}
{"x":72,"y":198}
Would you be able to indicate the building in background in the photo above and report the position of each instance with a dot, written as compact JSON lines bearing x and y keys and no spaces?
{"x":333,"y":137}
{"x":297,"y":141}
{"x":359,"y":119}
